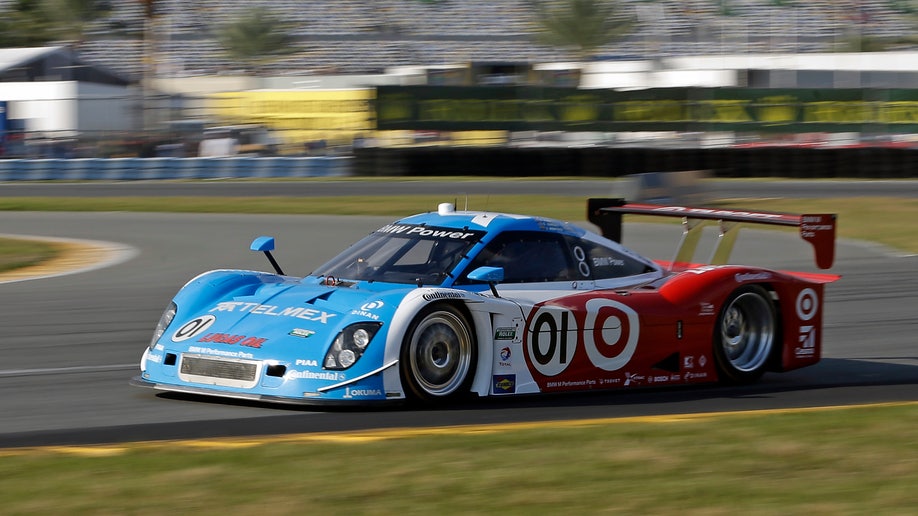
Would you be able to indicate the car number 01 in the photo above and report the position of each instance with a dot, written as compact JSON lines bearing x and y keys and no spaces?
{"x":553,"y":331}
{"x":193,"y":328}
{"x":549,"y":334}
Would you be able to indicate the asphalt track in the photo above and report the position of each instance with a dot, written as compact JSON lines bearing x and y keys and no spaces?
{"x":71,"y":342}
{"x":572,"y":187}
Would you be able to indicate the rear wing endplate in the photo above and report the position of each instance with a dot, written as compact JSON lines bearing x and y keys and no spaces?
{"x":817,"y":229}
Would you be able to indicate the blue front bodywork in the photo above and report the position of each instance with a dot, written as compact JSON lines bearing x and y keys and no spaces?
{"x":283,"y":326}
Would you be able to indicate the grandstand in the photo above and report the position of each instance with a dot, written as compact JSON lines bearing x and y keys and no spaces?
{"x":368,"y":36}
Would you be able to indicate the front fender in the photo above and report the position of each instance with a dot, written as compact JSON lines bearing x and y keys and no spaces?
{"x":481,"y":311}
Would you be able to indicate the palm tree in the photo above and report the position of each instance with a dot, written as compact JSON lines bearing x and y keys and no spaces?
{"x":585,"y":26}
{"x":255,"y":38}
{"x":24,"y":24}
{"x":72,"y":17}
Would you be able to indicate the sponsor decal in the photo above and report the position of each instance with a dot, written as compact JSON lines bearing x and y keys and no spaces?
{"x":718,"y":213}
{"x":504,"y":383}
{"x":619,"y":324}
{"x":572,"y":383}
{"x":688,"y":362}
{"x":226,"y":338}
{"x":156,"y":359}
{"x":361,"y":393}
{"x":307,"y":363}
{"x":807,"y":342}
{"x":691,"y":376}
{"x":811,"y":224}
{"x":505,"y":355}
{"x":752,"y":276}
{"x":432,"y":296}
{"x":366,"y":310}
{"x":633,"y":379}
{"x":427,"y":232}
{"x":505,"y":334}
{"x":193,"y":328}
{"x":300,"y":332}
{"x":660,"y":378}
{"x":702,"y":361}
{"x":308,"y":314}
{"x":293,"y":374}
{"x":608,"y":261}
{"x":220,"y":352}
{"x":807,"y":304}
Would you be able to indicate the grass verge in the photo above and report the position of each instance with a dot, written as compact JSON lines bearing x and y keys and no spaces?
{"x":16,"y":253}
{"x":837,"y":461}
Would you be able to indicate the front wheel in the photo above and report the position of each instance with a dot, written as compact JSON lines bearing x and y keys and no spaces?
{"x":438,"y":355}
{"x":744,"y":336}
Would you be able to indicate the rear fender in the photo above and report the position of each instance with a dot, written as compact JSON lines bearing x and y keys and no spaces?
{"x":801,"y":311}
{"x":799,"y":304}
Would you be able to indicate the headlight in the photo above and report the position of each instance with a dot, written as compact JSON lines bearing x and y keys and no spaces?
{"x":163,"y":323}
{"x":350,"y":344}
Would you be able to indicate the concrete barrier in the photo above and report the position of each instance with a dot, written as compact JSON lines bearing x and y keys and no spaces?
{"x":133,"y":169}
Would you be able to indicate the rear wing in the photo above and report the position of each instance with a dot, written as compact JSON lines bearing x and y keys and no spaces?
{"x":817,"y":229}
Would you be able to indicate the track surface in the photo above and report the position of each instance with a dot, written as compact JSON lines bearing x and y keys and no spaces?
{"x":319,"y":188}
{"x":71,"y":343}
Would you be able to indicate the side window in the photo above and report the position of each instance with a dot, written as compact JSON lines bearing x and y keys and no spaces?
{"x":595,"y":261}
{"x":527,"y":257}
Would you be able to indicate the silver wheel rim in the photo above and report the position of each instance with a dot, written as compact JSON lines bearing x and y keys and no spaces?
{"x":747,"y":332}
{"x":440,"y":354}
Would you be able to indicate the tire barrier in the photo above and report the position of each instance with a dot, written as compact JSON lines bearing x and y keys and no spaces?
{"x":130,"y":169}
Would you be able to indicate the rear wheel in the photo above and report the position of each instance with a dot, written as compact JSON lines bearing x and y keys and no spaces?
{"x":744,"y":336}
{"x":438,"y":355}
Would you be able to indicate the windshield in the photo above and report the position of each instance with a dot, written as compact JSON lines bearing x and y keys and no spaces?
{"x":403,"y":253}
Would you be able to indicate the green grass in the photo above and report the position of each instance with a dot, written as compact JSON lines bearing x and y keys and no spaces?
{"x":15,"y":253}
{"x":841,"y":461}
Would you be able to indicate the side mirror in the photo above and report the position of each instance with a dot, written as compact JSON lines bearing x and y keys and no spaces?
{"x":490,"y":275}
{"x":265,"y":244}
{"x":262,"y":243}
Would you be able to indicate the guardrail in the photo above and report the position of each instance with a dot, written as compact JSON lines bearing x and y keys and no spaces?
{"x":127,"y":169}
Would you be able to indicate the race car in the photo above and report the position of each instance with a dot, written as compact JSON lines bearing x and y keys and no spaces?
{"x":453,"y":304}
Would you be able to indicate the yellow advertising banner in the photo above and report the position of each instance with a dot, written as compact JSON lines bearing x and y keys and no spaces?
{"x":300,"y":117}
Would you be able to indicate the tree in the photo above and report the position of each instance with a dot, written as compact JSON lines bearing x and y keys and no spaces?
{"x":582,"y":25}
{"x":255,"y":38}
{"x":24,"y":24}
{"x":70,"y":18}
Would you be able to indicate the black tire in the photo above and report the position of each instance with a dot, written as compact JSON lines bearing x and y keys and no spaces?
{"x":745,"y":335}
{"x":439,"y":355}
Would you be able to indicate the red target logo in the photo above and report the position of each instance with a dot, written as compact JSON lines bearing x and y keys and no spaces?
{"x":614,"y":336}
{"x":807,"y":304}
